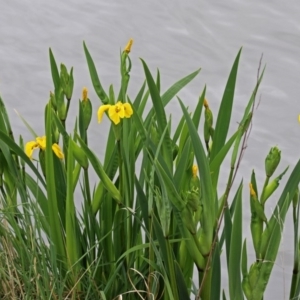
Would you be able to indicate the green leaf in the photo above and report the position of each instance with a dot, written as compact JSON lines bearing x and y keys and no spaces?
{"x":166,"y":256}
{"x":235,"y":289}
{"x":160,"y":116}
{"x":209,"y":196}
{"x":216,"y":274}
{"x":244,"y":264}
{"x":224,"y":115}
{"x":94,"y":76}
{"x":108,"y":184}
{"x":27,"y":125}
{"x":54,"y":70}
{"x":181,"y":285}
{"x":216,"y":163}
{"x":55,"y":228}
{"x":176,"y":87}
{"x":196,"y":120}
{"x":71,"y":242}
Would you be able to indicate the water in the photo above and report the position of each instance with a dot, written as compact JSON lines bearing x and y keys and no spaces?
{"x":178,"y":37}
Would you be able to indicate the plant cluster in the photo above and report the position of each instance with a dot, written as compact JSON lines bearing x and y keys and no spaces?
{"x":138,"y":234}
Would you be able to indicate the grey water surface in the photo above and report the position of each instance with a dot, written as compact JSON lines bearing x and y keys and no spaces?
{"x":177,"y":37}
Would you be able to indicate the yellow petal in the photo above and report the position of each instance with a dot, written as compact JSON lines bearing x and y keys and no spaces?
{"x":128,"y":46}
{"x":101,"y":111}
{"x":41,"y":141}
{"x":116,"y":112}
{"x":128,"y":110}
{"x":119,"y":107}
{"x":56,"y":149}
{"x":113,"y":115}
{"x":29,"y":147}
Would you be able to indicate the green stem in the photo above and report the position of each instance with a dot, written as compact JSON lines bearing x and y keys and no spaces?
{"x":87,"y":186}
{"x":295,"y":276}
{"x":120,"y":170}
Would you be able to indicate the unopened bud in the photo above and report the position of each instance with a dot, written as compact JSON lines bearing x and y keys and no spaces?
{"x":272,"y":161}
{"x":128,"y":46}
{"x":84,"y":94}
{"x":205,"y":103}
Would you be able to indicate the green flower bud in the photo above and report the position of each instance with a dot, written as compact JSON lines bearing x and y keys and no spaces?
{"x":253,"y":275}
{"x":208,"y":122}
{"x":66,"y":81}
{"x":208,"y":117}
{"x":246,"y":288}
{"x":61,"y":107}
{"x":86,"y":109}
{"x":154,"y":134}
{"x":53,"y":101}
{"x":272,"y":161}
{"x":79,"y":155}
{"x":271,"y":187}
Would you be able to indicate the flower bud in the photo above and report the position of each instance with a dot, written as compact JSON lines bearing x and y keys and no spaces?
{"x":79,"y":154}
{"x":53,"y":100}
{"x":272,"y":161}
{"x":128,"y":46}
{"x":205,"y":103}
{"x":271,"y":187}
{"x":208,"y":122}
{"x":66,"y":81}
{"x":86,"y":109}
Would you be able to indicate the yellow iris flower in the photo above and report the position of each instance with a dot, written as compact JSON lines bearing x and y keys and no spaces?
{"x":40,"y":142}
{"x":115,"y":112}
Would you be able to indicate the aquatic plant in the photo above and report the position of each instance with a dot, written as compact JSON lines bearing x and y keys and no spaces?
{"x":138,"y":233}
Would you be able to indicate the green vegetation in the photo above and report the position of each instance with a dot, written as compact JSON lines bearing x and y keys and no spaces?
{"x":138,"y":234}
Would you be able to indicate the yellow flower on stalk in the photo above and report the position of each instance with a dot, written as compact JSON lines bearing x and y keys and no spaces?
{"x":194,"y":170}
{"x":40,"y":142}
{"x":84,"y":94}
{"x":115,"y":112}
{"x":128,"y":46}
